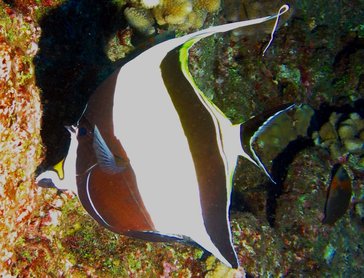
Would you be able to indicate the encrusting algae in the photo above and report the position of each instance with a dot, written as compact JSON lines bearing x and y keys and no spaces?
{"x":20,"y":142}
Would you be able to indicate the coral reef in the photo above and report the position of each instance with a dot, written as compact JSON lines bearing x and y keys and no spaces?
{"x":153,"y":17}
{"x":140,"y":19}
{"x":173,"y":12}
{"x":182,"y":14}
{"x":20,"y":142}
{"x":209,"y":6}
{"x":185,"y":13}
{"x":150,"y":3}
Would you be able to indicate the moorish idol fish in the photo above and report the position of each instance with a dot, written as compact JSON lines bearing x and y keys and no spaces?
{"x":152,"y":157}
{"x":338,"y":195}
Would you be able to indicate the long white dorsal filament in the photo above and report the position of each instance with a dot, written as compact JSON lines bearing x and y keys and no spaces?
{"x":281,"y":11}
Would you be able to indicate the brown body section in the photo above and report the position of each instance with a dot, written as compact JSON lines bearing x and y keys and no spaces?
{"x":117,"y":200}
{"x":112,"y":199}
{"x":338,"y":196}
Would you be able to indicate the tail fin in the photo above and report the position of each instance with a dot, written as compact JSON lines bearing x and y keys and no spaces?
{"x":252,"y":128}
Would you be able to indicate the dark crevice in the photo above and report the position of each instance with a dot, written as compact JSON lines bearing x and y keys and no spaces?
{"x":238,"y":202}
{"x":342,"y":59}
{"x":70,"y":63}
{"x":279,"y":171}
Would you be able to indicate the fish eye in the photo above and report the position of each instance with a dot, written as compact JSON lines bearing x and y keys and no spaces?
{"x":82,"y":131}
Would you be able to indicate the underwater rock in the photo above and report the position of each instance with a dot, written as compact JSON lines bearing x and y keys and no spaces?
{"x":259,"y":247}
{"x":20,"y":141}
{"x":299,"y":211}
{"x":5,"y":69}
{"x":361,"y":162}
{"x":345,"y":132}
{"x":342,"y":135}
{"x":358,"y":203}
{"x":328,"y":134}
{"x":354,"y":145}
{"x":289,"y":75}
{"x":120,"y":45}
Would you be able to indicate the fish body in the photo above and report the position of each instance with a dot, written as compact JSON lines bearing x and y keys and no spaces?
{"x":338,"y":196}
{"x":153,"y":157}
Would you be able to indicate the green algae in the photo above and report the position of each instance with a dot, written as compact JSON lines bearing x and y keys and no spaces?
{"x":329,"y":253}
{"x":288,"y":73}
{"x":359,"y":29}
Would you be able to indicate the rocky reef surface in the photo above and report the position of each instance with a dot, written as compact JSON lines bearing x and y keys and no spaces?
{"x":54,"y":53}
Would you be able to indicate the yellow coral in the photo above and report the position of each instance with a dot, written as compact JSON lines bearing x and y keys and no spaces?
{"x":173,"y":12}
{"x":216,"y":269}
{"x":208,"y":5}
{"x":140,"y":19}
{"x":195,"y":20}
{"x":150,"y":3}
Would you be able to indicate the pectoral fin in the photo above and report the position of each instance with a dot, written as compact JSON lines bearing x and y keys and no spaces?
{"x":105,"y":158}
